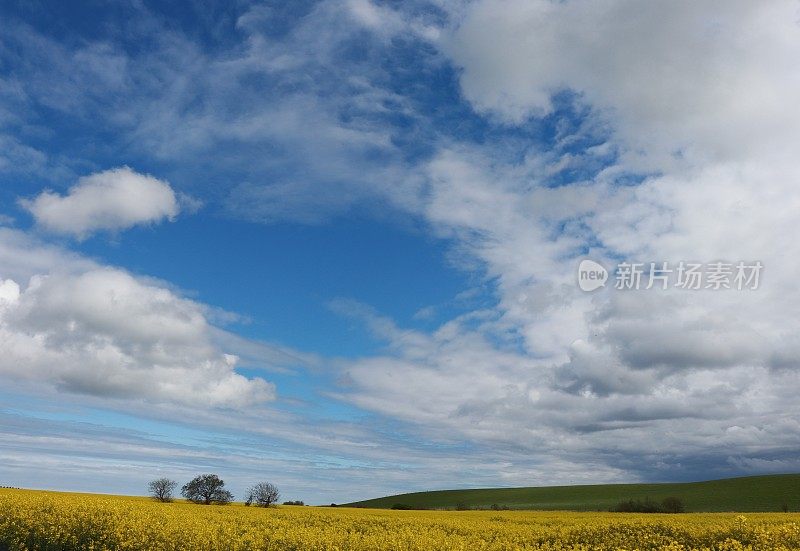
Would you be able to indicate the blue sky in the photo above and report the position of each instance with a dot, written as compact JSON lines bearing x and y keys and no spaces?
{"x":333,"y":244}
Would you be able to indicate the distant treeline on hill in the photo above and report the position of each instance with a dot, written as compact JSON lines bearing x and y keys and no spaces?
{"x":746,"y":494}
{"x":668,"y":505}
{"x":458,"y":507}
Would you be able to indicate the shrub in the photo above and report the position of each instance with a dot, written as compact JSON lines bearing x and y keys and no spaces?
{"x":647,"y":505}
{"x":672,"y":505}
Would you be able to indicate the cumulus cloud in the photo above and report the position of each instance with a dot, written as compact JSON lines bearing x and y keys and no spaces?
{"x":651,"y":382}
{"x":715,"y":79}
{"x":100,"y":331}
{"x":457,"y":384}
{"x":557,"y":371}
{"x":111,"y":200}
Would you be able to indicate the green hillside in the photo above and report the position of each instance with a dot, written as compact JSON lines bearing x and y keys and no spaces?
{"x":747,"y":494}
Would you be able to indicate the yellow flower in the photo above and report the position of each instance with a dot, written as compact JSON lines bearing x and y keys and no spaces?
{"x":31,"y":520}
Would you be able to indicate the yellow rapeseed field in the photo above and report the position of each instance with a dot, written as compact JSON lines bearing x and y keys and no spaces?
{"x":54,"y":521}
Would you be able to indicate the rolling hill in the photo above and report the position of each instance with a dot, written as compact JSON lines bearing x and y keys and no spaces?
{"x":746,"y":494}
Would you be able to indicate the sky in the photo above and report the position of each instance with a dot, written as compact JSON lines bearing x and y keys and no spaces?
{"x":335,"y":245}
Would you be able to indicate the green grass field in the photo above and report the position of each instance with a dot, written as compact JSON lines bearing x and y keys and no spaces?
{"x":748,"y":494}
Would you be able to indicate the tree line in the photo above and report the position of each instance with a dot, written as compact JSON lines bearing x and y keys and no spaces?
{"x":668,"y":505}
{"x":208,"y":489}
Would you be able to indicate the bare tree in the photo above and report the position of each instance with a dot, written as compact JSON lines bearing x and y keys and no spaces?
{"x":263,"y":494}
{"x":162,"y":488}
{"x":207,"y":489}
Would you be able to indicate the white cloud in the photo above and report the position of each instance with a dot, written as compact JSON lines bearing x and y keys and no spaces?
{"x":100,"y":331}
{"x":560,"y":372}
{"x":112,"y":200}
{"x":650,"y":382}
{"x":389,"y":23}
{"x":256,"y":97}
{"x":715,"y":79}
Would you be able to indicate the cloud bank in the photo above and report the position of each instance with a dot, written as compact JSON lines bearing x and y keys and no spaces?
{"x":708,"y":80}
{"x":683,"y":151}
{"x":96,"y":330}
